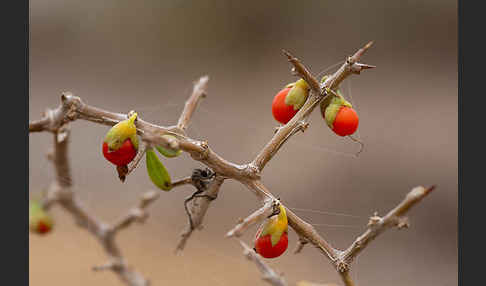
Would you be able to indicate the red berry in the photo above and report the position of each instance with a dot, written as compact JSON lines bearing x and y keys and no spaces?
{"x":346,"y":121}
{"x":281,"y":111}
{"x":263,"y":246}
{"x":123,"y":155}
{"x":43,"y":228}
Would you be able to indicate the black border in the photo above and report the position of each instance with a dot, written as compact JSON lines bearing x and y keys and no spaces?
{"x":471,"y":191}
{"x":15,"y":143}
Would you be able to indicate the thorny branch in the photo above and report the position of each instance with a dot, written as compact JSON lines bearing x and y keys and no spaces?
{"x":73,"y":108}
{"x":377,"y":225}
{"x":258,"y":216}
{"x":198,"y":92}
{"x":60,"y":192}
{"x":300,"y":244}
{"x":197,"y":210}
{"x":183,"y":181}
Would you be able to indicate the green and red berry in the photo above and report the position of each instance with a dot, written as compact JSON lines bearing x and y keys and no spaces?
{"x":120,"y":145}
{"x":289,"y":100}
{"x":271,"y":239}
{"x":340,"y":115}
{"x":40,"y":221}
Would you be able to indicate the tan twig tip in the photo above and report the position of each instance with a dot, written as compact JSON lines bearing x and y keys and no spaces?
{"x":365,"y":66}
{"x":286,"y":53}
{"x":368,"y":45}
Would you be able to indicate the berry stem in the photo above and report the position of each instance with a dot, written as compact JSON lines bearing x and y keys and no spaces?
{"x":359,"y":142}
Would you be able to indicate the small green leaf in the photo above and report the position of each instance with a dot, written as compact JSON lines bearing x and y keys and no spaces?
{"x":169,"y":153}
{"x":156,"y":171}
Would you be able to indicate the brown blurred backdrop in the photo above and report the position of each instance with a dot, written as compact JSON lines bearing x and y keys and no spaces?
{"x":144,"y":55}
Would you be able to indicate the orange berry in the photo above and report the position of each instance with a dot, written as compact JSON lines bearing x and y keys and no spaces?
{"x":346,"y":121}
{"x":281,"y":111}
{"x":124,"y":155}
{"x":263,"y":246}
{"x":43,"y":228}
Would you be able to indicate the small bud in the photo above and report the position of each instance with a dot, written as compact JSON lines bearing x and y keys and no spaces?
{"x":169,"y":153}
{"x":156,"y":170}
{"x":39,"y":220}
{"x":323,"y":79}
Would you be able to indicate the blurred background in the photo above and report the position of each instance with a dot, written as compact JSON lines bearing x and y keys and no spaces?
{"x":144,"y":55}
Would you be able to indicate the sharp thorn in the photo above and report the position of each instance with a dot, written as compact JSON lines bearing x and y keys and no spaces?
{"x":365,"y":66}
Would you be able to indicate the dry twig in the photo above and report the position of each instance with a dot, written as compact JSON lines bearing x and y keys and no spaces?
{"x":72,"y":108}
{"x":268,"y":274}
{"x":60,"y":192}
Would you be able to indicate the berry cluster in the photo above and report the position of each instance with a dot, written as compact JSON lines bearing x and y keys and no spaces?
{"x":120,"y":147}
{"x":336,"y":111}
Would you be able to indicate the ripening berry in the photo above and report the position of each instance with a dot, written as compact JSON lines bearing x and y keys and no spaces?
{"x":297,"y":94}
{"x":340,"y":115}
{"x":289,"y":100}
{"x":281,"y":111}
{"x":43,"y":227}
{"x":346,"y":121}
{"x":122,"y":156}
{"x":121,"y":143}
{"x":263,"y":246}
{"x":271,"y":239}
{"x":39,"y":220}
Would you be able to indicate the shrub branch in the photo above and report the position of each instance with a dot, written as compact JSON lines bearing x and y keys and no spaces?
{"x":249,"y":174}
{"x":60,"y":192}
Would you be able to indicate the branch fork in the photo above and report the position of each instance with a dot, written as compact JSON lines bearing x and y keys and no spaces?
{"x":72,"y":108}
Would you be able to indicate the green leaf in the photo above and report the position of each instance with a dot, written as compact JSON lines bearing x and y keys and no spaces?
{"x":156,"y":171}
{"x":169,"y":153}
